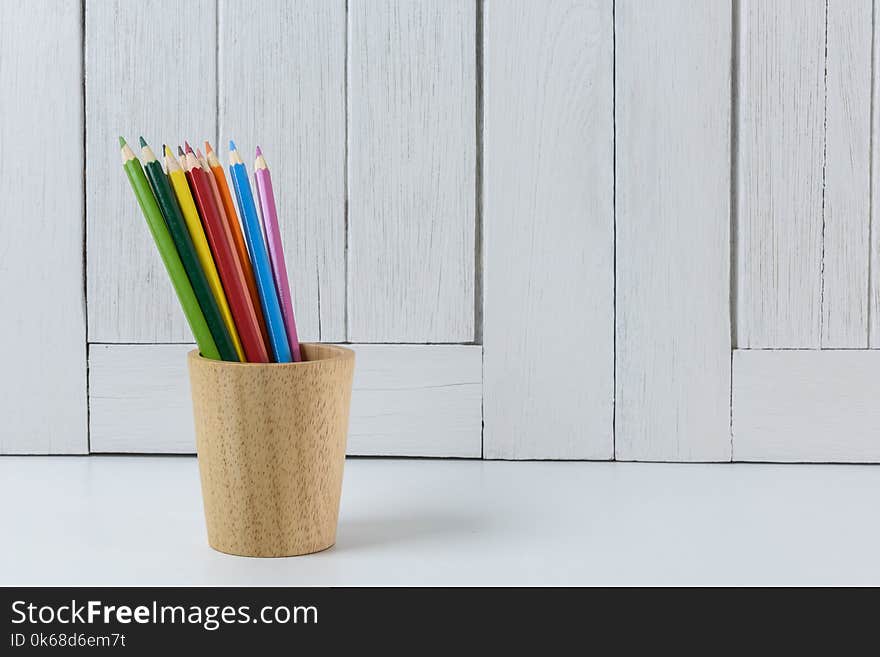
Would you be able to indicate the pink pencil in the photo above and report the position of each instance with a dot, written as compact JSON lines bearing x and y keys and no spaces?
{"x":276,"y":251}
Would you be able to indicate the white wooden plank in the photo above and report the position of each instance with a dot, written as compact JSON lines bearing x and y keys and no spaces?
{"x":673,"y":244}
{"x":806,"y":405}
{"x":411,"y":170}
{"x":548,"y":230}
{"x":417,"y":400}
{"x":847,"y":175}
{"x":408,"y":400}
{"x":43,"y":385}
{"x":282,"y":86}
{"x":780,"y":132}
{"x":150,"y":70}
{"x":139,"y":399}
{"x":874,"y":226}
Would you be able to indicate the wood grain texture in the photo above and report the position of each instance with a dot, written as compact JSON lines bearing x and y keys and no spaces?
{"x":779,"y":164}
{"x":417,"y":400}
{"x":847,"y":205}
{"x":271,"y":446}
{"x":548,"y":230}
{"x":409,"y":400}
{"x":282,"y":87}
{"x":874,"y":226}
{"x":139,"y":399}
{"x":806,"y":405}
{"x":43,"y":385}
{"x":673,"y":244}
{"x":138,"y":81}
{"x":411,"y":170}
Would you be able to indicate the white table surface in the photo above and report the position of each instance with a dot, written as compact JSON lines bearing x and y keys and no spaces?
{"x":117,"y":520}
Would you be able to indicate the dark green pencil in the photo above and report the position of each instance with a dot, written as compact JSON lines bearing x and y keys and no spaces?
{"x":174,"y":218}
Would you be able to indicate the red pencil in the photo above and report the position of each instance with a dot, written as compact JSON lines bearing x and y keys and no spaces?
{"x":228,"y":266}
{"x":228,"y":205}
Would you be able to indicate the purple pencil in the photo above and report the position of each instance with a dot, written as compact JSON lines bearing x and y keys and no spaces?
{"x":276,"y":251}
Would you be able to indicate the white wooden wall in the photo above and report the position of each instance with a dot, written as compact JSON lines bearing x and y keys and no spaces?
{"x":806,"y":284}
{"x":562,"y":229}
{"x":42,"y":325}
{"x":548,"y":230}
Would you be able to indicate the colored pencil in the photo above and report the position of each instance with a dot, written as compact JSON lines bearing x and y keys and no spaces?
{"x":235,"y":228}
{"x":227,"y":264}
{"x":156,"y":223}
{"x":243,"y":259}
{"x":187,"y":252}
{"x":263,"y":180}
{"x":259,"y":257}
{"x":203,"y":251}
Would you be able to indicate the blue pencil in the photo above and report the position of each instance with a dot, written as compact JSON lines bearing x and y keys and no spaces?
{"x":253,"y":234}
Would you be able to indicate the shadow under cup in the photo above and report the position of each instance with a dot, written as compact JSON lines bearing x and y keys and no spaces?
{"x":271,"y":445}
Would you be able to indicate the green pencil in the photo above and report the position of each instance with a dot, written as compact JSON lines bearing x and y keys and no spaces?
{"x":157,"y":226}
{"x":179,"y":233}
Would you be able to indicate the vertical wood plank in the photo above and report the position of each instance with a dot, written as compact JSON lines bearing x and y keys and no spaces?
{"x":282,"y":86}
{"x":673,"y":234}
{"x":43,"y":385}
{"x":150,"y":70}
{"x":411,"y":170}
{"x":874,"y":226}
{"x":779,"y":171}
{"x":847,"y":175}
{"x":548,"y":230}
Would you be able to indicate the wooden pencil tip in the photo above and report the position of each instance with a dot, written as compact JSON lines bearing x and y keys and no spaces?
{"x":259,"y":152}
{"x":121,"y":141}
{"x":188,"y":147}
{"x":232,"y":145}
{"x":208,"y":148}
{"x":199,"y":154}
{"x":127,"y":154}
{"x":180,"y":150}
{"x":143,"y":142}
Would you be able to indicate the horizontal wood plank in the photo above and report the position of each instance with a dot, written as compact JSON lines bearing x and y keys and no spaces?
{"x":408,"y":400}
{"x":806,"y":406}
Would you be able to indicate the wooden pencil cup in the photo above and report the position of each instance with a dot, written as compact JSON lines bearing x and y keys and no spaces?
{"x":271,"y":444}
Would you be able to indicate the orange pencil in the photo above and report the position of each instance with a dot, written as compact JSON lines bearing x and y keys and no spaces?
{"x":228,"y":214}
{"x":227,"y":264}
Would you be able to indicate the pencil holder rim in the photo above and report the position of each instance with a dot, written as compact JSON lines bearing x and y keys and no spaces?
{"x":341,"y":353}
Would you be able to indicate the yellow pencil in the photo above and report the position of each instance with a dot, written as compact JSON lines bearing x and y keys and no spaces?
{"x":203,"y":251}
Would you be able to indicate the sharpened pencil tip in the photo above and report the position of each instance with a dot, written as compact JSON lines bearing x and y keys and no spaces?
{"x":188,"y":147}
{"x":199,"y":154}
{"x":208,"y":148}
{"x":179,"y":150}
{"x":232,"y":145}
{"x":259,"y":152}
{"x":121,"y":142}
{"x":143,"y":142}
